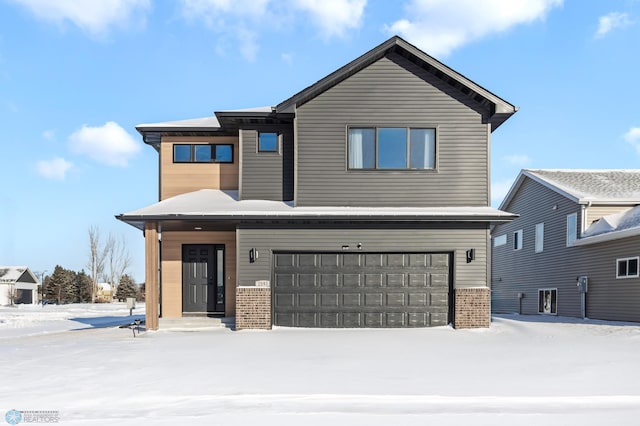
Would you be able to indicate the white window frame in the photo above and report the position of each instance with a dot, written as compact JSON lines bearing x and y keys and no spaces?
{"x":518,"y":239}
{"x":627,"y":259}
{"x":500,"y":240}
{"x":541,"y":312}
{"x":539,"y":238}
{"x":572,"y":228}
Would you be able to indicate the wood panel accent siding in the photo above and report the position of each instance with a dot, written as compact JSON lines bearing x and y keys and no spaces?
{"x":171,"y":263}
{"x":391,"y":92}
{"x":437,"y":238}
{"x":180,"y":178}
{"x":152,"y":297}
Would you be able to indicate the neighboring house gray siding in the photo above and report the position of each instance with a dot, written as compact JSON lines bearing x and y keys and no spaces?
{"x":391,"y":92}
{"x":454,"y":238}
{"x":558,"y":266}
{"x":525,"y":271}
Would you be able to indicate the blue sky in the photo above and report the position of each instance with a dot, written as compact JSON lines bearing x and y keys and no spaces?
{"x":76,"y":77}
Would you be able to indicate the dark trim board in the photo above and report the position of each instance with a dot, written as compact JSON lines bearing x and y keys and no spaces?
{"x":356,"y":289}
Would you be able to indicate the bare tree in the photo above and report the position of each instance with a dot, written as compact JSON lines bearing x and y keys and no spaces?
{"x":97,"y":257}
{"x":12,"y":294}
{"x":118,"y":260}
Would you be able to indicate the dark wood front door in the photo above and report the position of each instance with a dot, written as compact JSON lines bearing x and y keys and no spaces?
{"x":203,"y":278}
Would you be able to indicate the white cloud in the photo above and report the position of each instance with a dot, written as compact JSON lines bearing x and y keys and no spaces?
{"x":517,"y":159}
{"x":633,"y":137}
{"x":612,"y":21}
{"x":55,"y":168}
{"x":440,"y":26}
{"x":499,"y":190}
{"x":334,"y":17}
{"x":109,"y":144}
{"x":241,"y":22}
{"x":93,"y":17}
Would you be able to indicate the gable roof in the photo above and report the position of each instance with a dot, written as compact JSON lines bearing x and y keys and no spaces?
{"x":13,"y":274}
{"x":584,"y":186}
{"x":499,"y":109}
{"x":496,"y":109}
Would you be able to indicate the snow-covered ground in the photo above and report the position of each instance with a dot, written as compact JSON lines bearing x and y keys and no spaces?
{"x":522,"y":371}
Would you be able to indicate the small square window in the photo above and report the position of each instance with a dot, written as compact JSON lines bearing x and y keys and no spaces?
{"x":268,"y":142}
{"x":224,"y":153}
{"x":547,"y":301}
{"x":181,"y":153}
{"x":202,"y":153}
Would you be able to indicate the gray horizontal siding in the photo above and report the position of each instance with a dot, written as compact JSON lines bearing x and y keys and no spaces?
{"x":390,"y":92}
{"x":524,"y":271}
{"x":456,"y":239}
{"x":558,"y":266}
{"x":266,"y":175}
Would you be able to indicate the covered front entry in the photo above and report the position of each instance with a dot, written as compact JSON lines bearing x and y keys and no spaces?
{"x":361,"y":289}
{"x":203,"y":290}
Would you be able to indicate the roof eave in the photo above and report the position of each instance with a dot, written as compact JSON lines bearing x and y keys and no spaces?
{"x":608,"y":236}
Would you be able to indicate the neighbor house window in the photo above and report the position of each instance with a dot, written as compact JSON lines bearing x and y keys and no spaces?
{"x":499,"y":240}
{"x":517,"y":240}
{"x":539,"y":237}
{"x":202,"y":153}
{"x":547,"y":301}
{"x":391,"y":148}
{"x":268,"y":142}
{"x":627,"y":267}
{"x":572,"y":228}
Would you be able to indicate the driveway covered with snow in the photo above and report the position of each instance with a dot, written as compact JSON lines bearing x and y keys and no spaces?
{"x":520,"y":371}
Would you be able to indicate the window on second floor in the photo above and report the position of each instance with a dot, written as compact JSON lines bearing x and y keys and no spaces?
{"x":391,"y":148}
{"x":202,"y":153}
{"x":539,"y":238}
{"x":267,"y":142}
{"x":572,"y":228}
{"x":627,"y":267}
{"x":500,"y":240}
{"x":517,"y":240}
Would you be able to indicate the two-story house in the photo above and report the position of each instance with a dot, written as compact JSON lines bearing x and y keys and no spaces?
{"x":361,"y":201}
{"x":575,"y":247}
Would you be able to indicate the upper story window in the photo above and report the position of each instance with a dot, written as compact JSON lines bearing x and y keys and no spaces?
{"x":539,"y":238}
{"x":627,"y":268}
{"x":500,"y":240}
{"x":572,"y":228}
{"x":202,"y":153}
{"x":517,"y":240}
{"x":267,"y":142}
{"x":391,"y":148}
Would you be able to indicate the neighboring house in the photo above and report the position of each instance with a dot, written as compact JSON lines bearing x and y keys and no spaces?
{"x":361,"y":201}
{"x":578,"y":230}
{"x":104,"y":292}
{"x":18,"y":283}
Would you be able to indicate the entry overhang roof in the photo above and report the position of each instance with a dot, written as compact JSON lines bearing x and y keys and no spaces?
{"x":212,"y":204}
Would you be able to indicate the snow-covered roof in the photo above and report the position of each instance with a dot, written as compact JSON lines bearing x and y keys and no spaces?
{"x":190,"y":124}
{"x":585,"y":186}
{"x":212,"y":204}
{"x":12,"y":274}
{"x":612,"y":227}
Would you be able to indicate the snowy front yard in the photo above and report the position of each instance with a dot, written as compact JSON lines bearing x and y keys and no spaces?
{"x":521,"y":371}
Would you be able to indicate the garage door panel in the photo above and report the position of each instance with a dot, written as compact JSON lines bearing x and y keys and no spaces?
{"x":395,"y":319}
{"x":395,"y":280}
{"x":361,"y":289}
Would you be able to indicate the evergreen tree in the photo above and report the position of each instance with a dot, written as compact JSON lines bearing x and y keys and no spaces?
{"x":61,"y":285}
{"x":126,"y":288}
{"x":82,"y":287}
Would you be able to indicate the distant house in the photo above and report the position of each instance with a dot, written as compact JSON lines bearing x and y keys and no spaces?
{"x":574,"y":250}
{"x":104,"y":292}
{"x":360,"y":201}
{"x":18,"y":285}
